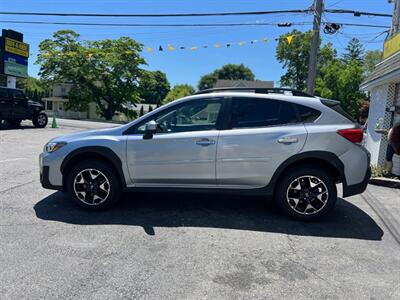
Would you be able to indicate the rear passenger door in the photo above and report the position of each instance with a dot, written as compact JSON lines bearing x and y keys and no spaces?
{"x":5,"y":104}
{"x":262,"y":133}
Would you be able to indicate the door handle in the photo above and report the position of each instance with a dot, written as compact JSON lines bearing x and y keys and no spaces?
{"x":2,"y":102}
{"x":287,"y":140}
{"x":205,"y":142}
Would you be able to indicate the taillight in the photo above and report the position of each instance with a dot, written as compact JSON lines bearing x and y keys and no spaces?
{"x":354,"y":135}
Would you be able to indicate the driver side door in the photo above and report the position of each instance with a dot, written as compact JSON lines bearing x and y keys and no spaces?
{"x":183,"y":151}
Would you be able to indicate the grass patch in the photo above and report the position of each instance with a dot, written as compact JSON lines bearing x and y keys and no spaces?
{"x":381,"y":172}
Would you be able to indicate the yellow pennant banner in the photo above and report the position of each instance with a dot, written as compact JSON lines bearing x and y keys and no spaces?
{"x":171,"y":47}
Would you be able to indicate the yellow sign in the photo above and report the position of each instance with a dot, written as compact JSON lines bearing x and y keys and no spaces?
{"x":391,"y":46}
{"x":16,"y":47}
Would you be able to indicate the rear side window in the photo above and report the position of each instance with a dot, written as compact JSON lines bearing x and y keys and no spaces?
{"x":3,"y":93}
{"x":335,"y":105}
{"x":307,"y":114}
{"x":253,"y":112}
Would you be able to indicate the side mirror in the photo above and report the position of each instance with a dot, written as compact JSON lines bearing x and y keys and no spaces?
{"x":150,"y":130}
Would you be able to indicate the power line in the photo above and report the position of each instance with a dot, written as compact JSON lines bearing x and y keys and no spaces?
{"x":267,"y":12}
{"x":149,"y":25}
{"x":356,"y":13}
{"x":54,"y":14}
{"x":185,"y":24}
{"x":358,"y":25}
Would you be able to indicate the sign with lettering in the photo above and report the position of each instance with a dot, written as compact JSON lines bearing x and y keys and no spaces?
{"x":16,"y":47}
{"x":391,"y":46}
{"x":14,"y":69}
{"x":15,"y":58}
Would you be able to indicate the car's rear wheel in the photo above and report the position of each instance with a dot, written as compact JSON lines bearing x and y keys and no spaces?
{"x":306,"y":193}
{"x":93,"y":185}
{"x":40,"y":120}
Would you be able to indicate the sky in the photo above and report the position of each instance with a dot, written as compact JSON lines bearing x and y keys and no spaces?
{"x":185,"y":66}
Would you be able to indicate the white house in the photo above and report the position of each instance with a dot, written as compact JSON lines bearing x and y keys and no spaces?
{"x":56,"y":105}
{"x":384,"y":87}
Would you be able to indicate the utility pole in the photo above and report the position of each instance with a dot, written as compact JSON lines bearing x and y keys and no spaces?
{"x":396,"y":17}
{"x":318,"y":7}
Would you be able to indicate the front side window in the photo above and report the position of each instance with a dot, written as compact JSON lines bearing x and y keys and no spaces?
{"x":257,"y":112}
{"x":189,"y":116}
{"x":17,"y":95}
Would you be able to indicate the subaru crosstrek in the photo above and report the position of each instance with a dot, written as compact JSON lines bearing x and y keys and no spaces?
{"x":291,"y":146}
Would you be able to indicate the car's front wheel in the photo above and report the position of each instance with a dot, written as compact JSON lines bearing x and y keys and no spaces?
{"x":93,"y":185}
{"x":40,"y":120}
{"x":306,"y":193}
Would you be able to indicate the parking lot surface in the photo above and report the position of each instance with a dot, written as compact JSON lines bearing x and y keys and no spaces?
{"x":185,"y":246}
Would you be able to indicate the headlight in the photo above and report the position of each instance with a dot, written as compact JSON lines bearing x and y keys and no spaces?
{"x":53,"y":146}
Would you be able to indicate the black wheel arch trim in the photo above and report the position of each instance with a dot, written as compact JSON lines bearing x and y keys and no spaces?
{"x":109,"y":154}
{"x":326,"y":156}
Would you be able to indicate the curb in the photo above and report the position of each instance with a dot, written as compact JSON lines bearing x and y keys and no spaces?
{"x":387,"y":182}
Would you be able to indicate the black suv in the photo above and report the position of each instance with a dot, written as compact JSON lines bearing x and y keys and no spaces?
{"x":15,"y":107}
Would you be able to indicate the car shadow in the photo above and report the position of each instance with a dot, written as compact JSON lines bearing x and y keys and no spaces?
{"x":7,"y":126}
{"x":152,"y":210}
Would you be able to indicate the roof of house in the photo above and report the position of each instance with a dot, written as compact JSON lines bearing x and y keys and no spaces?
{"x":383,"y":70}
{"x":55,"y":98}
{"x":243,"y":83}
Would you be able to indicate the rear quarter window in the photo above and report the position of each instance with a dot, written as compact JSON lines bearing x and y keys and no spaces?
{"x":335,"y":105}
{"x":307,"y":114}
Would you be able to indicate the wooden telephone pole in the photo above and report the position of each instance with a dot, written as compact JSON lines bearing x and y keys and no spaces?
{"x":318,"y":8}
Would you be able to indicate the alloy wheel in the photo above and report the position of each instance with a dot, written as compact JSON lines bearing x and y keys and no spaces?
{"x":307,"y":195}
{"x":41,"y":119}
{"x":91,"y":186}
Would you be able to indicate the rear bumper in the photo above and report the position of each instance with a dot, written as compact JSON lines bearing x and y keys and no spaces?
{"x":350,"y":190}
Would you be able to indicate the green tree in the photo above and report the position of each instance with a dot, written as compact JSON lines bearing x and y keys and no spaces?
{"x":153,"y":87}
{"x":342,"y":81}
{"x":354,"y":52}
{"x":179,"y":91}
{"x":227,"y":72}
{"x":106,"y":71}
{"x":371,"y":59}
{"x":295,"y":57}
{"x":35,"y":89}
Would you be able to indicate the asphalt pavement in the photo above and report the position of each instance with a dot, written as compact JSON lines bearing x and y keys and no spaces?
{"x":185,"y":246}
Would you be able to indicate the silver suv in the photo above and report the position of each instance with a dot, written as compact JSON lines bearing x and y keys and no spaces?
{"x":272,"y":142}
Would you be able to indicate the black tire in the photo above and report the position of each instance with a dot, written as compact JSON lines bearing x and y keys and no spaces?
{"x":15,"y":122}
{"x":106,"y":170}
{"x":40,"y":120}
{"x":299,"y":178}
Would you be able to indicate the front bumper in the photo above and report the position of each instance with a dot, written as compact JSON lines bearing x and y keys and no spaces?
{"x":44,"y":180}
{"x":50,"y":174}
{"x":355,"y":189}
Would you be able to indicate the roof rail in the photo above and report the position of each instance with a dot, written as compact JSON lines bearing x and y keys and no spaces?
{"x":256,"y":90}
